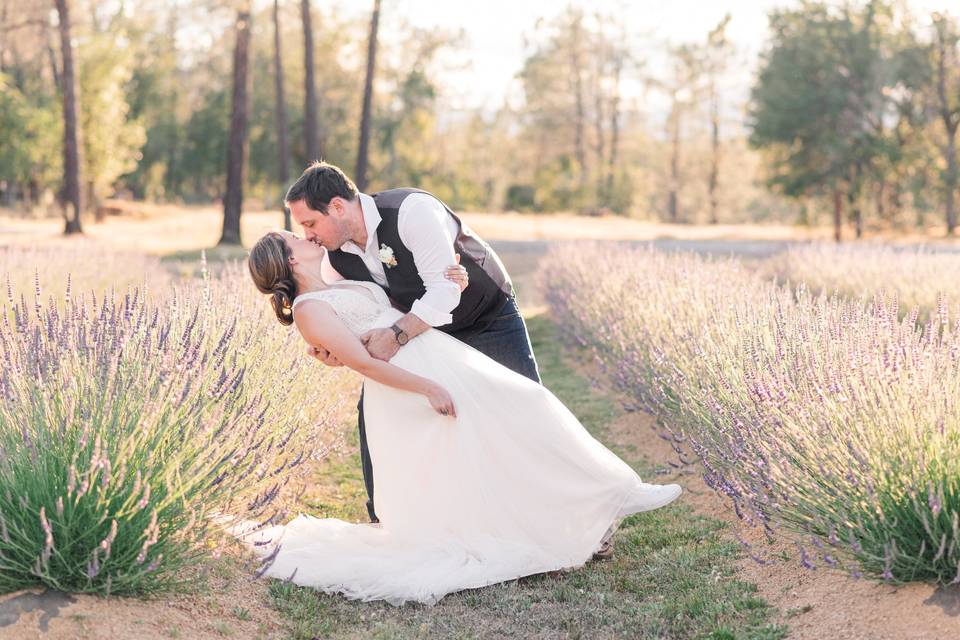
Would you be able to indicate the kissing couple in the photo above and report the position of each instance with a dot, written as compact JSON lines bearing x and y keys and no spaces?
{"x":481,"y":474}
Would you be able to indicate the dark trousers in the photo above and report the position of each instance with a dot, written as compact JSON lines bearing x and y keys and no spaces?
{"x":505,"y":340}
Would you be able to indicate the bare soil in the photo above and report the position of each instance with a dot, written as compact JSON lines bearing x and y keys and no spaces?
{"x":231,"y":604}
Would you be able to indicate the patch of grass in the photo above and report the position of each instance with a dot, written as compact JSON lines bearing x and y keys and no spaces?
{"x":672,"y":575}
{"x":336,"y":489}
{"x":796,"y":611}
{"x":304,"y":611}
{"x":222,"y":628}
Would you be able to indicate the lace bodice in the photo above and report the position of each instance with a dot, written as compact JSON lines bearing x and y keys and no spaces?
{"x":359,"y":311}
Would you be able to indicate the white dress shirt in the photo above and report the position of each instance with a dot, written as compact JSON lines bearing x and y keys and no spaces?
{"x":428,"y":231}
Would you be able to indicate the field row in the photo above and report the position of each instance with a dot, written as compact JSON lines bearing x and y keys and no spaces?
{"x":830,"y":416}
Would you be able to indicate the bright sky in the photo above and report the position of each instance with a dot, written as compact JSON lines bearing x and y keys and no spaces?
{"x":494,"y":30}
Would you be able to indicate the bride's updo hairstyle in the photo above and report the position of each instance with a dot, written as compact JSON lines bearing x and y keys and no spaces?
{"x":269,"y":265}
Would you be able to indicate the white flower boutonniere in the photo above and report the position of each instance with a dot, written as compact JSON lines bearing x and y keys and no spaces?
{"x":386,"y":256}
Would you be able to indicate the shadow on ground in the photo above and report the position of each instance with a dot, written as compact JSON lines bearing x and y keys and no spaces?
{"x":49,"y":602}
{"x":947,"y":598}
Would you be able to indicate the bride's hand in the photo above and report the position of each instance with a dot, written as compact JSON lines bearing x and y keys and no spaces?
{"x":324,"y":356}
{"x":441,"y":401}
{"x":458,"y":274}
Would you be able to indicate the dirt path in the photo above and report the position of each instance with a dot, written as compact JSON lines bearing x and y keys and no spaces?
{"x":815,"y":604}
{"x":231,"y":606}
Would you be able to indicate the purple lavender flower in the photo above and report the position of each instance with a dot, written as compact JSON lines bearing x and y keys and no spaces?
{"x":93,"y":566}
{"x":934,"y":501}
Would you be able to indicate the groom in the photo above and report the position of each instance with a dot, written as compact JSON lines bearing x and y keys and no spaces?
{"x":404,"y":239}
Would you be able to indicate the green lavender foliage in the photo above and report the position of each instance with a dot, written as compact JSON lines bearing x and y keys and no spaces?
{"x":133,"y":429}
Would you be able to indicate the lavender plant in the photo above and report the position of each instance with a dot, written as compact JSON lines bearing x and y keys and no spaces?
{"x":915,"y":276}
{"x":824,"y":417}
{"x":128,"y":426}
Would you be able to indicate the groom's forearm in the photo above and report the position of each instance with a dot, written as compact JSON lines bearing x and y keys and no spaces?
{"x":412,"y":325}
{"x":384,"y":343}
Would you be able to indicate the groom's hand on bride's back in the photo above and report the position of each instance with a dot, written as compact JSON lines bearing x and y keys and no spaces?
{"x":324,"y":356}
{"x":380,"y":343}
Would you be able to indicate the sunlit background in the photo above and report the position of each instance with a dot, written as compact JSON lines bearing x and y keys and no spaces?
{"x":680,"y":113}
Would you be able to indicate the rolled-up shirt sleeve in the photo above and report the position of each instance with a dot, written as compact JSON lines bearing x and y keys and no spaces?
{"x":425,"y":228}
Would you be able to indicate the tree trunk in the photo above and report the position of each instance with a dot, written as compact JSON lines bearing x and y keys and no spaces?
{"x":93,"y":202}
{"x":3,"y":37}
{"x":360,"y":178}
{"x":52,"y":55}
{"x":598,"y":126}
{"x":72,"y":201}
{"x":837,"y":215}
{"x":714,"y":179}
{"x":950,"y":181}
{"x":882,"y":201}
{"x":172,"y":180}
{"x":857,"y":214}
{"x":896,"y":199}
{"x":614,"y":124}
{"x":237,"y":145}
{"x":283,"y":174}
{"x":854,"y":200}
{"x":94,"y":20}
{"x":10,"y":194}
{"x":17,"y":68}
{"x":673,"y":205}
{"x":580,"y":116}
{"x":33,"y":194}
{"x":310,"y":132}
{"x":950,"y":114}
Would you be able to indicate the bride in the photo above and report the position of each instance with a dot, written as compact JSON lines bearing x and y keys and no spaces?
{"x":482,"y":474}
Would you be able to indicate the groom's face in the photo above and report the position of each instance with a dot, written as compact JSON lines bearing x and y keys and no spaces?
{"x":326,"y":229}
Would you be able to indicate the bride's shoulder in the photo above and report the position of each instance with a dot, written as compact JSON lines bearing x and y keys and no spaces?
{"x":319,"y":298}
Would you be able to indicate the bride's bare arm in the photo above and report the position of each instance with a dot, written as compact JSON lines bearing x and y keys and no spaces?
{"x":320,"y":326}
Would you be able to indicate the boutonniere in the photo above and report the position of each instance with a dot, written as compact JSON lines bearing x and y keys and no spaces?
{"x":386,"y":256}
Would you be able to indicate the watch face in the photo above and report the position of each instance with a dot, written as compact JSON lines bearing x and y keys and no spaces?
{"x":402,"y":338}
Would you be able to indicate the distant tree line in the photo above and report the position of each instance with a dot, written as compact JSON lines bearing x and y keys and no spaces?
{"x":852,"y":118}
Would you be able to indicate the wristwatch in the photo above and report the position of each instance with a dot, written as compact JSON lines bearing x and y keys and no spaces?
{"x":401,"y":335}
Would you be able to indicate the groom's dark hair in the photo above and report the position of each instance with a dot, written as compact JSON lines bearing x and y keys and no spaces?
{"x":319,"y":184}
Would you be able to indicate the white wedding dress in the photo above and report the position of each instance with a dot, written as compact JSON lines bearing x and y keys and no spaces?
{"x":513,"y":486}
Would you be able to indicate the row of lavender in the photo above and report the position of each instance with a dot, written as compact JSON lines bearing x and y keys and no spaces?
{"x":831,"y":418}
{"x":132,"y":421}
{"x":915,"y":276}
